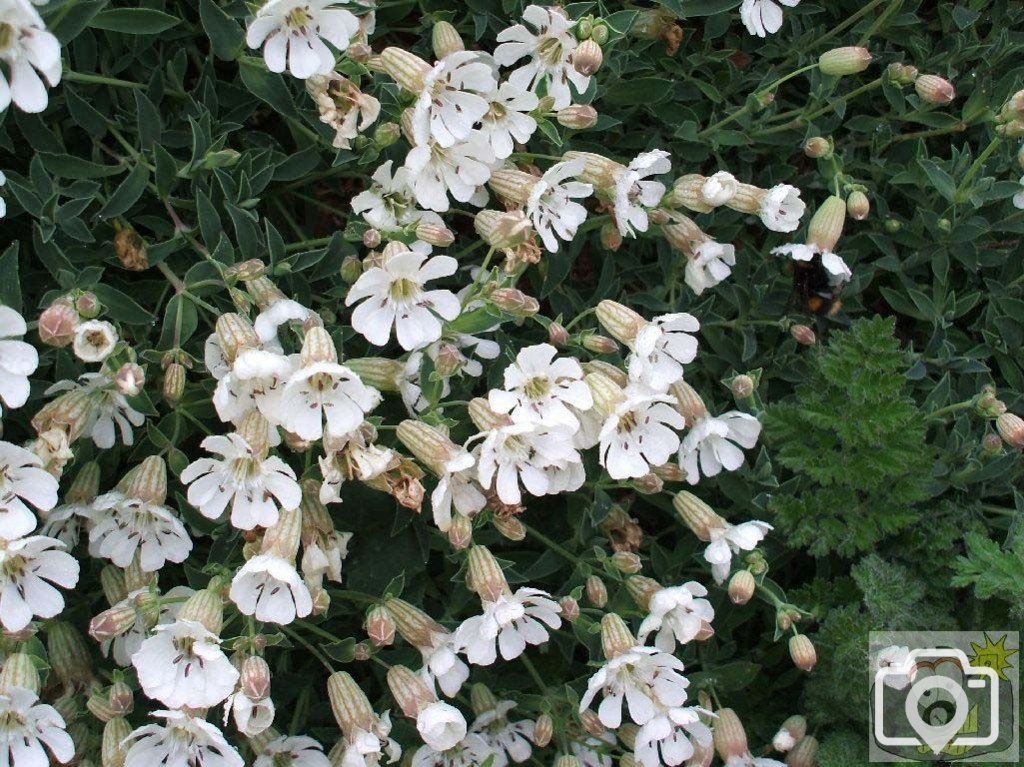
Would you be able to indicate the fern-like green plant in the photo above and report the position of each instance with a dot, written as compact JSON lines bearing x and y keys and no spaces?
{"x":854,"y":441}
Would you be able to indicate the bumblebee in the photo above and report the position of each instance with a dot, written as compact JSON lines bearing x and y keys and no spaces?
{"x":812,"y":285}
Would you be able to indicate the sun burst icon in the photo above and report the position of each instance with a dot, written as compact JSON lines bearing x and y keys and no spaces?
{"x":993,"y":655}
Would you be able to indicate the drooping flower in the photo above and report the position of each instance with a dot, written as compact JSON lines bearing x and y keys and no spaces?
{"x":28,"y":568}
{"x":123,"y":525}
{"x":292,"y":34}
{"x":781,"y":206}
{"x":666,"y":738}
{"x":453,"y":99}
{"x":18,"y":360}
{"x":28,"y":729}
{"x":729,"y":540}
{"x":540,"y":458}
{"x":292,"y":751}
{"x":540,"y":389}
{"x":838,"y":271}
{"x":646,"y":679}
{"x":639,"y":432}
{"x":26,"y":47}
{"x":677,"y":614}
{"x":509,"y":624}
{"x":392,"y":295}
{"x":633,"y":195}
{"x":441,"y":725}
{"x":551,"y":207}
{"x":343,"y":107}
{"x":551,"y":50}
{"x":509,"y":740}
{"x":251,"y":716}
{"x":719,"y":188}
{"x":459,"y":170}
{"x":93,"y":407}
{"x":508,"y":119}
{"x":456,"y":488}
{"x":713,"y":444}
{"x":255,"y":381}
{"x":94,"y":340}
{"x":389,"y":202}
{"x":23,"y":480}
{"x":764,"y":17}
{"x":182,"y":665}
{"x":184,"y":739}
{"x":269,"y":587}
{"x":471,"y":751}
{"x":441,"y":664}
{"x":709,"y":264}
{"x":661,"y":348}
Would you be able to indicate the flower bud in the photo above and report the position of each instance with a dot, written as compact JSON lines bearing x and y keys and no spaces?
{"x":730,"y":738}
{"x":381,"y":373}
{"x":611,"y":237}
{"x":577,"y":117}
{"x":482,"y":699}
{"x":380,"y":626}
{"x":988,"y":404}
{"x":801,"y":650}
{"x":352,"y":710}
{"x":98,"y":704}
{"x":697,"y":515}
{"x":803,"y":335}
{"x":88,"y":305}
{"x":428,"y":444}
{"x":484,"y":575}
{"x":415,"y":626}
{"x":352,"y":268}
{"x":627,"y":562}
{"x":741,"y":587}
{"x":503,"y":230}
{"x":934,"y":89}
{"x":1011,"y":429}
{"x":410,"y":691}
{"x":688,"y":192}
{"x":19,"y":670}
{"x":649,"y":484}
{"x":826,"y":225}
{"x":68,"y":654}
{"x":791,"y":732}
{"x":1011,"y":129}
{"x":844,"y":61}
{"x":901,"y":74}
{"x":599,"y":344}
{"x":129,"y":379}
{"x":386,"y":134}
{"x":804,"y":754}
{"x":642,"y":589}
{"x":818,"y":147}
{"x":434,"y":234}
{"x":114,"y":750}
{"x":591,"y":723}
{"x":515,"y":302}
{"x":558,"y":336}
{"x":858,"y":205}
{"x":600,"y":34}
{"x":318,"y":346}
{"x":510,"y":527}
{"x":742,"y":387}
{"x":321,"y":600}
{"x":57,"y":323}
{"x":235,"y":334}
{"x":445,"y":39}
{"x":405,"y":68}
{"x":254,"y":678}
{"x":570,"y":609}
{"x":371,"y":239}
{"x":588,"y":58}
{"x":460,"y":534}
{"x":174,"y":384}
{"x":512,"y":184}
{"x":543,"y":731}
{"x":688,"y":402}
{"x":620,"y":321}
{"x":597,"y":592}
{"x":205,"y":606}
{"x":992,"y":444}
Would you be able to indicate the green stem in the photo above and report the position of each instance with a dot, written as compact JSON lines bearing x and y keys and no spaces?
{"x":956,"y":407}
{"x":354,"y":596}
{"x":562,"y":552}
{"x":81,"y":77}
{"x":753,"y":98}
{"x":824,"y":110}
{"x":842,"y":26}
{"x":975,"y":167}
{"x":537,"y":678}
{"x":315,"y":652}
{"x":880,"y":21}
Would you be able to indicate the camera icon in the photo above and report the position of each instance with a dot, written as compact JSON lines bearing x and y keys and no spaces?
{"x":934,"y":699}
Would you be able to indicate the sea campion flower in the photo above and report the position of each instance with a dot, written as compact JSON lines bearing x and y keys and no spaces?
{"x":459,"y":170}
{"x":781,"y":207}
{"x":94,"y":407}
{"x":452,"y":99}
{"x":471,"y":751}
{"x":18,"y":360}
{"x":389,"y":203}
{"x":94,"y":340}
{"x":666,"y":738}
{"x":709,"y":263}
{"x":713,"y":443}
{"x":29,"y":51}
{"x":838,"y":271}
{"x":633,"y":195}
{"x":639,"y":431}
{"x":509,"y":740}
{"x":661,"y":348}
{"x":646,"y":679}
{"x":292,"y":751}
{"x":551,"y":207}
{"x":764,"y":17}
{"x":343,"y":107}
{"x":507,"y":120}
{"x":541,"y":389}
{"x":729,"y":540}
{"x":182,"y":664}
{"x":676,"y":614}
{"x":23,"y":480}
{"x":540,"y":458}
{"x":292,"y":34}
{"x":510,"y":622}
{"x":182,"y":739}
{"x":28,"y":568}
{"x":269,"y":587}
{"x":28,"y":729}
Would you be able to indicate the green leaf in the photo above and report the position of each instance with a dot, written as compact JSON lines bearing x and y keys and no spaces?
{"x":134,"y":21}
{"x":268,"y":86}
{"x":10,"y":284}
{"x":122,"y":307}
{"x":76,"y":18}
{"x":166,"y":170}
{"x":939,"y":178}
{"x":148,"y":118}
{"x":686,"y":9}
{"x":66,"y":166}
{"x":226,"y":36}
{"x":126,"y":195}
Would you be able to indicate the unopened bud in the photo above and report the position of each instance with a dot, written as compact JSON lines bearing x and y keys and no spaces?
{"x":371,"y":239}
{"x":730,"y":738}
{"x":600,"y":34}
{"x":669,"y":472}
{"x":386,"y":134}
{"x":410,"y":691}
{"x":804,"y":754}
{"x":482,"y":699}
{"x":351,"y":709}
{"x":989,"y":405}
{"x":515,"y":302}
{"x":577,"y":116}
{"x":1011,"y":429}
{"x":611,"y":237}
{"x":460,"y":534}
{"x":174,"y":384}
{"x":510,"y":527}
{"x":649,"y":484}
{"x":558,"y":336}
{"x":254,"y":680}
{"x":570,"y":609}
{"x":405,"y":68}
{"x":19,"y":670}
{"x":599,"y":344}
{"x":858,"y":205}
{"x":130,"y":249}
{"x":688,"y":402}
{"x":934,"y":89}
{"x":434,"y":234}
{"x":88,"y":305}
{"x":68,"y":654}
{"x":627,"y":562}
{"x":790,"y":733}
{"x":844,"y":61}
{"x":597,"y":592}
{"x":697,"y":515}
{"x":130,"y":379}
{"x":803,"y":335}
{"x":588,"y":58}
{"x":445,"y":39}
{"x":591,"y":723}
{"x":543,"y":731}
{"x":817,"y":147}
{"x":1011,"y":129}
{"x":992,"y":444}
{"x":380,"y":626}
{"x":801,"y":650}
{"x":484,"y":575}
{"x":57,"y":323}
{"x":902,"y":74}
{"x":620,"y":321}
{"x":642,"y":589}
{"x":826,"y":226}
{"x":742,"y":387}
{"x":741,"y":587}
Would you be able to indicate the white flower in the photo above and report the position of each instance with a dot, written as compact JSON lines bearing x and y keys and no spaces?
{"x":3,"y":202}
{"x":632,"y":195}
{"x":64,"y":522}
{"x":184,"y":741}
{"x":292,"y":32}
{"x":719,"y":188}
{"x":343,"y":107}
{"x":441,"y":664}
{"x":483,"y":348}
{"x":539,"y":388}
{"x":26,"y":726}
{"x":451,"y":103}
{"x":458,"y":170}
{"x":251,"y":716}
{"x":714,"y":440}
{"x":441,"y":725}
{"x":123,"y":526}
{"x":107,"y":411}
{"x":507,"y":739}
{"x":292,"y":751}
{"x":550,"y":205}
{"x":94,"y":340}
{"x":18,"y":360}
{"x":645,"y":678}
{"x":472,"y":751}
{"x":665,"y":739}
{"x":325,"y":390}
{"x":22,"y":479}
{"x":513,"y":621}
{"x":267,"y":322}
{"x":594,"y":751}
{"x":732,"y":539}
{"x":25,"y":47}
{"x":364,"y":748}
{"x":507,"y":120}
{"x":898,"y":658}
{"x":269,"y":587}
{"x":782,"y":208}
{"x":255,"y":486}
{"x":709,"y":264}
{"x":393,"y":296}
{"x":456,"y":487}
{"x":123,"y":647}
{"x":539,"y":457}
{"x":1018,"y":199}
{"x":28,"y":567}
{"x":762,"y":17}
{"x":409,"y":385}
{"x":255,"y":380}
{"x":661,"y":348}
{"x":323,"y":556}
{"x":677,"y":614}
{"x":838,"y":271}
{"x":389,"y":202}
{"x":551,"y":49}
{"x":182,"y":665}
{"x":639,"y":433}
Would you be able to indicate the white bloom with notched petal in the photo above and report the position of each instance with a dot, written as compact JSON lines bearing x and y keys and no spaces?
{"x":540,"y":389}
{"x":508,"y":119}
{"x":459,"y":170}
{"x":732,"y":539}
{"x":65,"y":522}
{"x":782,"y":208}
{"x":709,"y":264}
{"x":255,"y":486}
{"x":764,"y":17}
{"x":183,"y":740}
{"x":646,"y":679}
{"x":123,"y":526}
{"x":292,"y":34}
{"x":325,"y":391}
{"x":509,"y":740}
{"x":512,"y":622}
{"x":22,"y":479}
{"x":471,"y":751}
{"x":28,"y":568}
{"x":182,"y":665}
{"x":255,"y":380}
{"x":393,"y":296}
{"x":107,"y":413}
{"x":94,"y":340}
{"x":594,"y":751}
{"x":18,"y":360}
{"x":551,"y":50}
{"x":551,"y":207}
{"x":269,"y":320}
{"x":838,"y":271}
{"x":677,"y":614}
{"x":270,"y":588}
{"x":713,"y":444}
{"x":28,"y":50}
{"x":719,"y":188}
{"x":633,"y":196}
{"x":456,"y":488}
{"x":539,"y":457}
{"x":389,"y":203}
{"x":442,"y":665}
{"x":453,"y":99}
{"x":365,"y":748}
{"x":441,"y":725}
{"x":251,"y":716}
{"x":661,"y":348}
{"x":323,"y":557}
{"x":28,"y":729}
{"x":666,"y":739}
{"x":639,"y":433}
{"x":292,"y":751}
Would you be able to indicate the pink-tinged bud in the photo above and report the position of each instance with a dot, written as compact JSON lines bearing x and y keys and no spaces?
{"x":484,"y":575}
{"x":989,"y":405}
{"x":741,"y":587}
{"x":570,"y":609}
{"x":992,"y":444}
{"x":515,"y":302}
{"x":742,"y":387}
{"x":648,"y":484}
{"x":627,"y":562}
{"x":1011,"y":129}
{"x":351,"y":269}
{"x":587,"y":58}
{"x":697,"y":515}
{"x":844,"y":61}
{"x":599,"y":344}
{"x":410,"y":691}
{"x":88,"y":305}
{"x":1011,"y":429}
{"x":445,"y":40}
{"x":321,"y":600}
{"x":611,"y":237}
{"x":688,"y":402}
{"x":577,"y":117}
{"x":669,"y":472}
{"x":371,"y":239}
{"x":380,"y":626}
{"x":826,"y":226}
{"x":57,"y":323}
{"x":804,"y":754}
{"x":349,"y":704}
{"x":790,"y":733}
{"x":591,"y":723}
{"x":902,"y":74}
{"x":415,"y":626}
{"x":19,"y":670}
{"x":934,"y":89}
{"x":597,"y":592}
{"x":130,"y":379}
{"x":730,"y":738}
{"x":817,"y":147}
{"x":510,"y":527}
{"x":642,"y":589}
{"x":460,"y":534}
{"x":858,"y":205}
{"x":254,"y":680}
{"x":434,"y":234}
{"x":543,"y":731}
{"x":803,"y":335}
{"x":802,"y":651}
